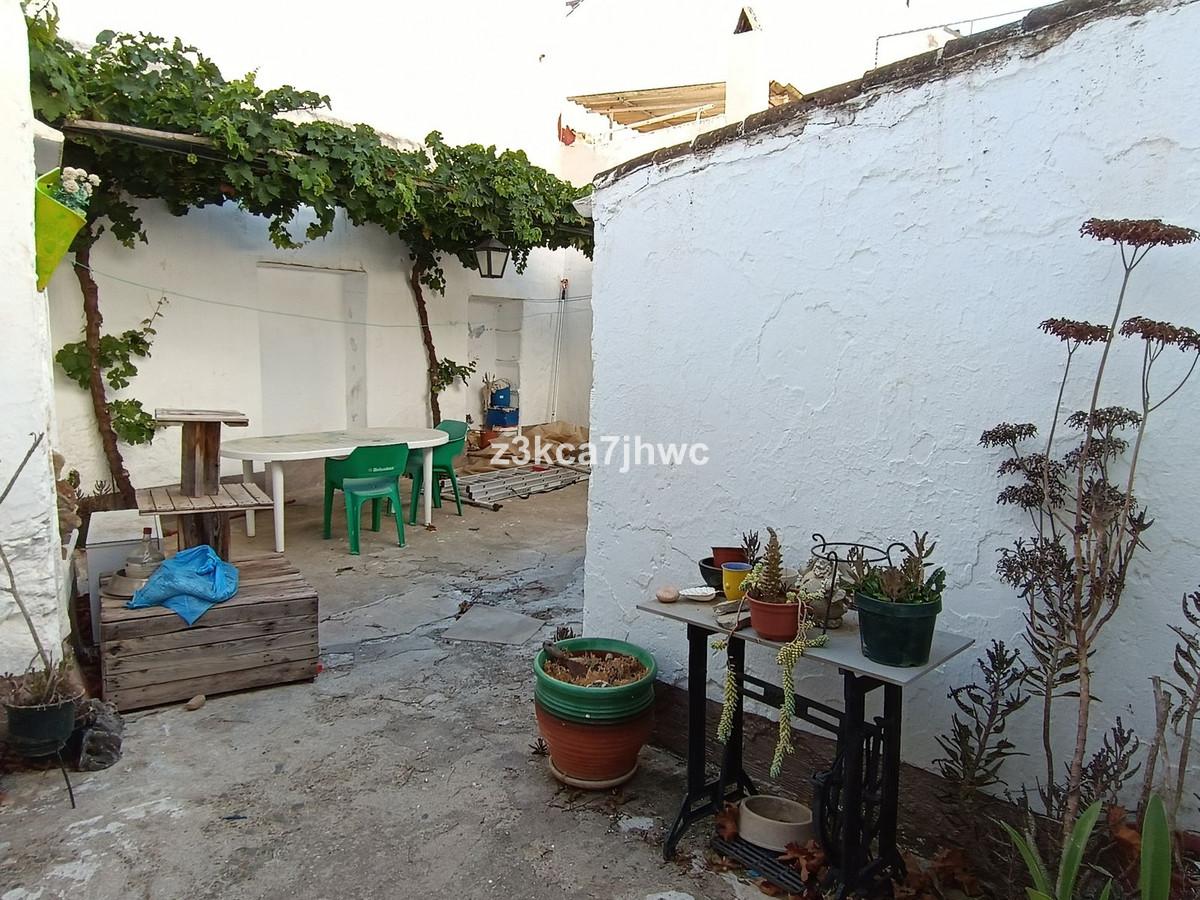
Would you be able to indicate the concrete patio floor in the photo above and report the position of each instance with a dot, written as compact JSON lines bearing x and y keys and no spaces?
{"x":404,"y":770}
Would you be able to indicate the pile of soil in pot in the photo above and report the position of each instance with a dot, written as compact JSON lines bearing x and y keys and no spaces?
{"x":603,"y":669}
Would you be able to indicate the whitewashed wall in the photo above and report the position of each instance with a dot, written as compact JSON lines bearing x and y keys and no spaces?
{"x":839,"y":309}
{"x":575,"y":360}
{"x":286,"y":373}
{"x":556,"y":350}
{"x":28,"y":522}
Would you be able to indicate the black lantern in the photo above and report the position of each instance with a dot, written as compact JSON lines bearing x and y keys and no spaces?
{"x":492,"y":257}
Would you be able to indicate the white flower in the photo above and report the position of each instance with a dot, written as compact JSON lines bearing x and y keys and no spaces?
{"x":70,"y":172}
{"x":70,"y":187}
{"x":94,"y":180}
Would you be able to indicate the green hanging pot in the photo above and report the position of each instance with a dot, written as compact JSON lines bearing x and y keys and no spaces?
{"x":55,"y":226}
{"x":575,"y":703}
{"x":36,"y":731}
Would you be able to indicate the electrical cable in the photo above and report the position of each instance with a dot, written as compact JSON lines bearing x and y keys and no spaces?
{"x":328,"y":319}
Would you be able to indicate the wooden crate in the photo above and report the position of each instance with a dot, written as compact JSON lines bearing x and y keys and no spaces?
{"x":265,"y":634}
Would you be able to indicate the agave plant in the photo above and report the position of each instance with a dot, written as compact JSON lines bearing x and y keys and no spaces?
{"x":1154,"y":881}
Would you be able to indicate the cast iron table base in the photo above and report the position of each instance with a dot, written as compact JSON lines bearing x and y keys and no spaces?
{"x":856,"y":800}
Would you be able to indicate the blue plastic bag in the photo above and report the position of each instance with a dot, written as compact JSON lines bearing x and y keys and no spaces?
{"x":188,"y":584}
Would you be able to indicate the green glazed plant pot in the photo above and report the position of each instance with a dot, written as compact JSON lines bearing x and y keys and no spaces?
{"x":896,"y":634}
{"x":595,"y":704}
{"x":55,"y":226}
{"x":35,"y":731}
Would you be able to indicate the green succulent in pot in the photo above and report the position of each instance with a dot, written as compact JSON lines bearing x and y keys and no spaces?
{"x":774,"y":610}
{"x":897,"y":604}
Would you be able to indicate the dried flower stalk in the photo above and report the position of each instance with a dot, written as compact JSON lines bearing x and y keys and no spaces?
{"x":1087,"y":523}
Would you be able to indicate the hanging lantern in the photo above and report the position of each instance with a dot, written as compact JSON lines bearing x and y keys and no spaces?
{"x":492,"y":257}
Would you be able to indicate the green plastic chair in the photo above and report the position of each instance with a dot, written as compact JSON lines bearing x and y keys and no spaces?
{"x":443,"y":465}
{"x":369,"y":473}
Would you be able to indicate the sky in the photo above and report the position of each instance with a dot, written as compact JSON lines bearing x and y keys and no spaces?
{"x":496,"y":72}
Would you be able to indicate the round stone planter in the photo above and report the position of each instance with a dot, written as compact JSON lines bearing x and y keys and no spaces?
{"x":774,"y":822}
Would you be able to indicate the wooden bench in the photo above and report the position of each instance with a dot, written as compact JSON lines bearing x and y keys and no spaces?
{"x":265,"y":634}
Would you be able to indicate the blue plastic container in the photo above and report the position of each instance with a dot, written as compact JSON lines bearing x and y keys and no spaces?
{"x":502,"y":397}
{"x":503,"y":418}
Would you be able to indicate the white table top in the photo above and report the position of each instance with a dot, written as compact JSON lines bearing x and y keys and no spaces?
{"x":843,"y":649}
{"x":118,"y":526}
{"x":322,"y":444}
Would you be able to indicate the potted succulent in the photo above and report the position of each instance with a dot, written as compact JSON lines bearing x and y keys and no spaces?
{"x":40,"y":704}
{"x":774,"y":609}
{"x":594,"y":700}
{"x":897,"y":605}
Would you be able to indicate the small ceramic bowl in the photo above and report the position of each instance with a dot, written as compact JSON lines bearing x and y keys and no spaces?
{"x":710,"y":573}
{"x":698,"y":594}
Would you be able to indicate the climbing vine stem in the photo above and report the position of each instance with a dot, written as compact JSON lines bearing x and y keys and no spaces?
{"x":216,"y":140}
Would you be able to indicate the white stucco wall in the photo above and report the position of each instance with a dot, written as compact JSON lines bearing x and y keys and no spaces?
{"x":244,"y":356}
{"x":28,"y":522}
{"x":556,"y":351}
{"x":575,"y":359}
{"x":840,"y":307}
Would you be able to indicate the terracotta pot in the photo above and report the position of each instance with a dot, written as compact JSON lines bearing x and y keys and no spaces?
{"x":595,"y":753}
{"x":774,"y":621}
{"x":722,"y":555}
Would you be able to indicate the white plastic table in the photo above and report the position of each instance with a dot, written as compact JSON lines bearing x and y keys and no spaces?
{"x":275,"y":450}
